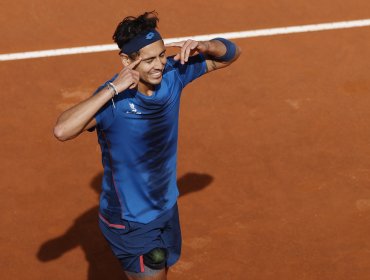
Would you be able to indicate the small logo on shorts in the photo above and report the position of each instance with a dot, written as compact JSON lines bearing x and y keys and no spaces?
{"x":149,"y":36}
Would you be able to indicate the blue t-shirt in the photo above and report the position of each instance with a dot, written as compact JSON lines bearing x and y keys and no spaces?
{"x":138,"y":140}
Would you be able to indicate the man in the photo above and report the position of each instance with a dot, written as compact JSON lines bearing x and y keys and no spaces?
{"x":135,"y":115}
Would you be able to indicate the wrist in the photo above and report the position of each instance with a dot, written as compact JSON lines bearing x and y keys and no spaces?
{"x":106,"y":92}
{"x":112,"y":88}
{"x":113,"y":91}
{"x":230,"y":52}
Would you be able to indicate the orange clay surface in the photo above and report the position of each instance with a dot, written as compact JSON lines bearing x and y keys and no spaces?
{"x":274,"y":151}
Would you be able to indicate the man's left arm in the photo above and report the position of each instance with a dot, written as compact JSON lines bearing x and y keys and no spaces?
{"x":219,"y":52}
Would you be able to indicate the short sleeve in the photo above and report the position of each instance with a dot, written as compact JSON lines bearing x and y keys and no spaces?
{"x":191,"y":70}
{"x":105,"y":116}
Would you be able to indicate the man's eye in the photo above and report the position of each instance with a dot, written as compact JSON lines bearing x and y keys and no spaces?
{"x":162,"y":54}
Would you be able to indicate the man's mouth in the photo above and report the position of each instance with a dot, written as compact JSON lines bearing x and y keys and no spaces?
{"x":156,"y":75}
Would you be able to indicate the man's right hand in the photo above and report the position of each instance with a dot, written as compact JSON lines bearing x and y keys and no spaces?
{"x":128,"y":77}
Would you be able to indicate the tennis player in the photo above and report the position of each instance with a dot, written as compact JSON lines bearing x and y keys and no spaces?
{"x":135,"y":115}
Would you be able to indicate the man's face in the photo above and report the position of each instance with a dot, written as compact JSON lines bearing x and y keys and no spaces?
{"x":153,"y":60}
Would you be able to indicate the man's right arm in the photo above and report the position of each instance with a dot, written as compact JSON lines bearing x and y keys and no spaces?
{"x":80,"y":117}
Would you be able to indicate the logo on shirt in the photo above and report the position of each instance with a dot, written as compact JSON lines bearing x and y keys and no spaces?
{"x":133,"y":109}
{"x":149,"y":36}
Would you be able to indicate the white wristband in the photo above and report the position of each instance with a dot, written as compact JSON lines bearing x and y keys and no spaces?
{"x":114,"y":92}
{"x":113,"y":87}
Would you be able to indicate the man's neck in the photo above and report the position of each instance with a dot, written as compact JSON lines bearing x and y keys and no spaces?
{"x":146,"y":88}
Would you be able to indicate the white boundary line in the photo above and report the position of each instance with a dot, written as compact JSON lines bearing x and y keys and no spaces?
{"x":230,"y":35}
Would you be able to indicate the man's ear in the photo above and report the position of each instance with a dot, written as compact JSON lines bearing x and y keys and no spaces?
{"x":125,"y":59}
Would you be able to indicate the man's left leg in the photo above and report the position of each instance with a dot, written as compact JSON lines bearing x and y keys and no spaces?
{"x":158,"y":260}
{"x":148,"y":275}
{"x":154,"y":266}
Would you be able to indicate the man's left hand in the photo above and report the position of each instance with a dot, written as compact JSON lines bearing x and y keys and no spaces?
{"x":188,"y":48}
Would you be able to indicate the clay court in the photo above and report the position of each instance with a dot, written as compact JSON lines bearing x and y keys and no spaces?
{"x":274,"y":151}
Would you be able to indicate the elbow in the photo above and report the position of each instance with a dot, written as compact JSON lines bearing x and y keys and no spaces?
{"x":237,"y":53}
{"x":59,"y":133}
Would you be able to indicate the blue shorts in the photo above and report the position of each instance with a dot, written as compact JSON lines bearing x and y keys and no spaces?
{"x":129,"y":241}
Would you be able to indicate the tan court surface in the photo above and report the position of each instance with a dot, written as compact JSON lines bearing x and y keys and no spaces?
{"x":274,"y":152}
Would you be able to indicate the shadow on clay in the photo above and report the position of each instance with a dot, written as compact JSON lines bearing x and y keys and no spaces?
{"x":85,"y":232}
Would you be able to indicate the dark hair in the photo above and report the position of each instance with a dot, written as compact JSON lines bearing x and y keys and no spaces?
{"x":129,"y":27}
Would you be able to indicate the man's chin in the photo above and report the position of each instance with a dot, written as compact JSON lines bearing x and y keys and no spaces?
{"x":155,"y":81}
{"x":151,"y":83}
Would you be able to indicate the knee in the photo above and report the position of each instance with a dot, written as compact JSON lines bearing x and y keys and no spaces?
{"x":156,"y":258}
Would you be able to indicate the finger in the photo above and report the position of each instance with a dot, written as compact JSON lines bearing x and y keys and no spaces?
{"x":177,"y":57}
{"x":133,"y":86}
{"x":134,"y":83}
{"x":194,"y":49}
{"x":183,"y":50}
{"x":135,"y":73}
{"x":135,"y":79}
{"x":189,"y":50}
{"x":175,"y":44}
{"x":133,"y":64}
{"x":186,"y":54}
{"x":136,"y":76}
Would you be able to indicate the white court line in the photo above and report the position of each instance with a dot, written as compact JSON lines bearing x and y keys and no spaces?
{"x":230,"y":35}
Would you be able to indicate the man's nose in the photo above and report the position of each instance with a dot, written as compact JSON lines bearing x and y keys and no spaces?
{"x":158,"y":63}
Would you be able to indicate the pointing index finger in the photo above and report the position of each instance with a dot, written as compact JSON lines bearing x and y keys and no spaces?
{"x":133,"y":64}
